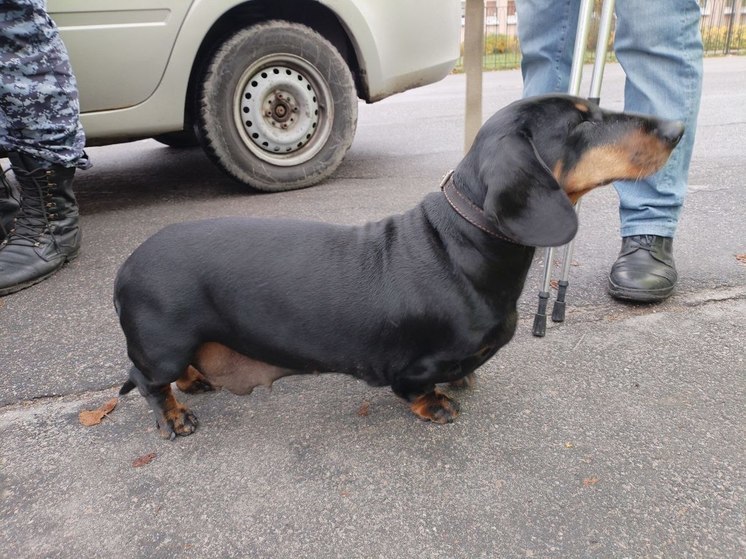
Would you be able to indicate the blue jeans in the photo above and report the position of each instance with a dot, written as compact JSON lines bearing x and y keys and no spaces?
{"x":659,"y":46}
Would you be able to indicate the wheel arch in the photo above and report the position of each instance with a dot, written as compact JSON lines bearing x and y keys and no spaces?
{"x":313,"y":14}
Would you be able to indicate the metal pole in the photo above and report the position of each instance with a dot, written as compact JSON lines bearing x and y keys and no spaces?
{"x":602,"y":47}
{"x":729,"y":33}
{"x":581,"y":43}
{"x":576,"y":75}
{"x":473,"y":54}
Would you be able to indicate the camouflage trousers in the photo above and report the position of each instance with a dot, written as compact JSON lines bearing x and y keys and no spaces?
{"x":39,"y":106}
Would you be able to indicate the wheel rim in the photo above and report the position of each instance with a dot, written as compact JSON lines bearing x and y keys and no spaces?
{"x":283,"y":109}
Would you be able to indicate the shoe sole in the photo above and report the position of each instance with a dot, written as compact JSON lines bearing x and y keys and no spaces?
{"x":638,"y":295}
{"x":21,"y":286}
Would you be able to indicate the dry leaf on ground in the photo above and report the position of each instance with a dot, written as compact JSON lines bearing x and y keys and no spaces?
{"x":94,"y":417}
{"x":364,"y":409}
{"x":590,"y":481}
{"x":143,"y":460}
{"x":741,"y":258}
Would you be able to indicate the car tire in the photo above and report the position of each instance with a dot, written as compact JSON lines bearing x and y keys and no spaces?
{"x":278,"y":107}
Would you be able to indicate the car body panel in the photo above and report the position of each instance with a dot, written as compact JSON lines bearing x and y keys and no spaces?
{"x":399,"y":45}
{"x":135,"y":41}
{"x":402,"y":45}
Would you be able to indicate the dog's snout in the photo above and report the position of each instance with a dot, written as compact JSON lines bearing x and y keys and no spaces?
{"x":670,"y":131}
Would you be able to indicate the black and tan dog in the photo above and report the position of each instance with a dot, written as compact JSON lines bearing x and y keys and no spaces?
{"x":410,"y":301}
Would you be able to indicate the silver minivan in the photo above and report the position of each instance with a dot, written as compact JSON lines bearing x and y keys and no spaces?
{"x":268,"y":88}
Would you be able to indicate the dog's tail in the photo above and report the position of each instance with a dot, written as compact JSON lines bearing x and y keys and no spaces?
{"x":126,"y":387}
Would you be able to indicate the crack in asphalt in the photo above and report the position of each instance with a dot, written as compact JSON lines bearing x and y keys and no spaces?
{"x":614,"y":311}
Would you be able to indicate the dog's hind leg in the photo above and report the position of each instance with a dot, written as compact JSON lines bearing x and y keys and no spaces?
{"x":171,"y":416}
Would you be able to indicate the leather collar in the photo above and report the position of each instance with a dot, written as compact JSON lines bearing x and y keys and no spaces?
{"x":468,"y":210}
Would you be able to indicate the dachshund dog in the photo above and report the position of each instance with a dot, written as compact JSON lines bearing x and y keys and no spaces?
{"x":411,"y":301}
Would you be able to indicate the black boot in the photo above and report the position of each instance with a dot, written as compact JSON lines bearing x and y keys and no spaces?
{"x":45,"y":233}
{"x":645,"y":270}
{"x":9,"y":205}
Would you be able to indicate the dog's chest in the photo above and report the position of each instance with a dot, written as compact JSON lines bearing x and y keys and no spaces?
{"x":488,"y":344}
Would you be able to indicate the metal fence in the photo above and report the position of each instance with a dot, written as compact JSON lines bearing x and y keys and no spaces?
{"x":723,"y":29}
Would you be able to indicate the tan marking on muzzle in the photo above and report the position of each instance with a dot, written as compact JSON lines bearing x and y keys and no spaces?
{"x":635,"y":156}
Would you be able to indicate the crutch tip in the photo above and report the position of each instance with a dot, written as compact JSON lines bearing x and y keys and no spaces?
{"x":540,"y":319}
{"x":558,"y":311}
{"x":540,"y":325}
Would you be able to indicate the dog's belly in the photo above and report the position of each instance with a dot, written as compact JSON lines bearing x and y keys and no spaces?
{"x":234,"y":371}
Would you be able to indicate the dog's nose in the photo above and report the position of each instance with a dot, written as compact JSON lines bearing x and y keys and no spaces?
{"x":670,"y":131}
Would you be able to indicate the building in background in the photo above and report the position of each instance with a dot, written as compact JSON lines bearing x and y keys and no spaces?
{"x":723,"y":30}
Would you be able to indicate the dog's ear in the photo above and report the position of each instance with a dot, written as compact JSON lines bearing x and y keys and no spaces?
{"x":523,"y":198}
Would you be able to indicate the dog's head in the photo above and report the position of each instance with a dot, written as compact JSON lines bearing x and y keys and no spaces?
{"x":533,"y":160}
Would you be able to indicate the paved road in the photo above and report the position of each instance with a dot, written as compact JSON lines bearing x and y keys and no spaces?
{"x":619,"y":434}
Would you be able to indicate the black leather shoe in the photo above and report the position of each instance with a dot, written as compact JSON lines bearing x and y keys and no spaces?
{"x":644,"y":271}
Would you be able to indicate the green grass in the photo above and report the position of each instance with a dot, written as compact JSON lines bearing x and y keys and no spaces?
{"x":512,"y":60}
{"x":502,"y":61}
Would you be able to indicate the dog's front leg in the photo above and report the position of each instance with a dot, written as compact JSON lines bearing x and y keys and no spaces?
{"x":464,"y":383}
{"x":425,"y":401}
{"x":193,"y":382}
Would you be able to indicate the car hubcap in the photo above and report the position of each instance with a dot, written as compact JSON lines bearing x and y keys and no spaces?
{"x":284,"y":110}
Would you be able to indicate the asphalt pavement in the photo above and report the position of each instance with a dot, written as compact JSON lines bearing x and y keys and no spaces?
{"x":619,"y":434}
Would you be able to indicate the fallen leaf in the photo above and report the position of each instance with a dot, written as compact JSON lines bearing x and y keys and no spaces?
{"x":589,"y":481}
{"x":364,"y":409}
{"x":741,"y":258}
{"x":143,"y":460}
{"x":94,"y":417}
{"x":569,"y":445}
{"x":554,"y":283}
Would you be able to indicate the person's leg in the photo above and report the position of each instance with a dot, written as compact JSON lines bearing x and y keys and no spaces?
{"x":41,"y":131}
{"x":38,"y":92}
{"x":659,"y":46}
{"x":546,"y":33}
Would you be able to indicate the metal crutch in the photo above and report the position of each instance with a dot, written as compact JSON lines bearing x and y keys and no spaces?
{"x":576,"y":75}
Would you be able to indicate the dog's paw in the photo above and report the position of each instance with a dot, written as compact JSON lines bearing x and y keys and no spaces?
{"x":436,"y":407}
{"x":178,"y":421}
{"x":464,"y":383}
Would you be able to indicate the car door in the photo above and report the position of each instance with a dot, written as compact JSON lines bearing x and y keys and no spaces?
{"x":119,"y":49}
